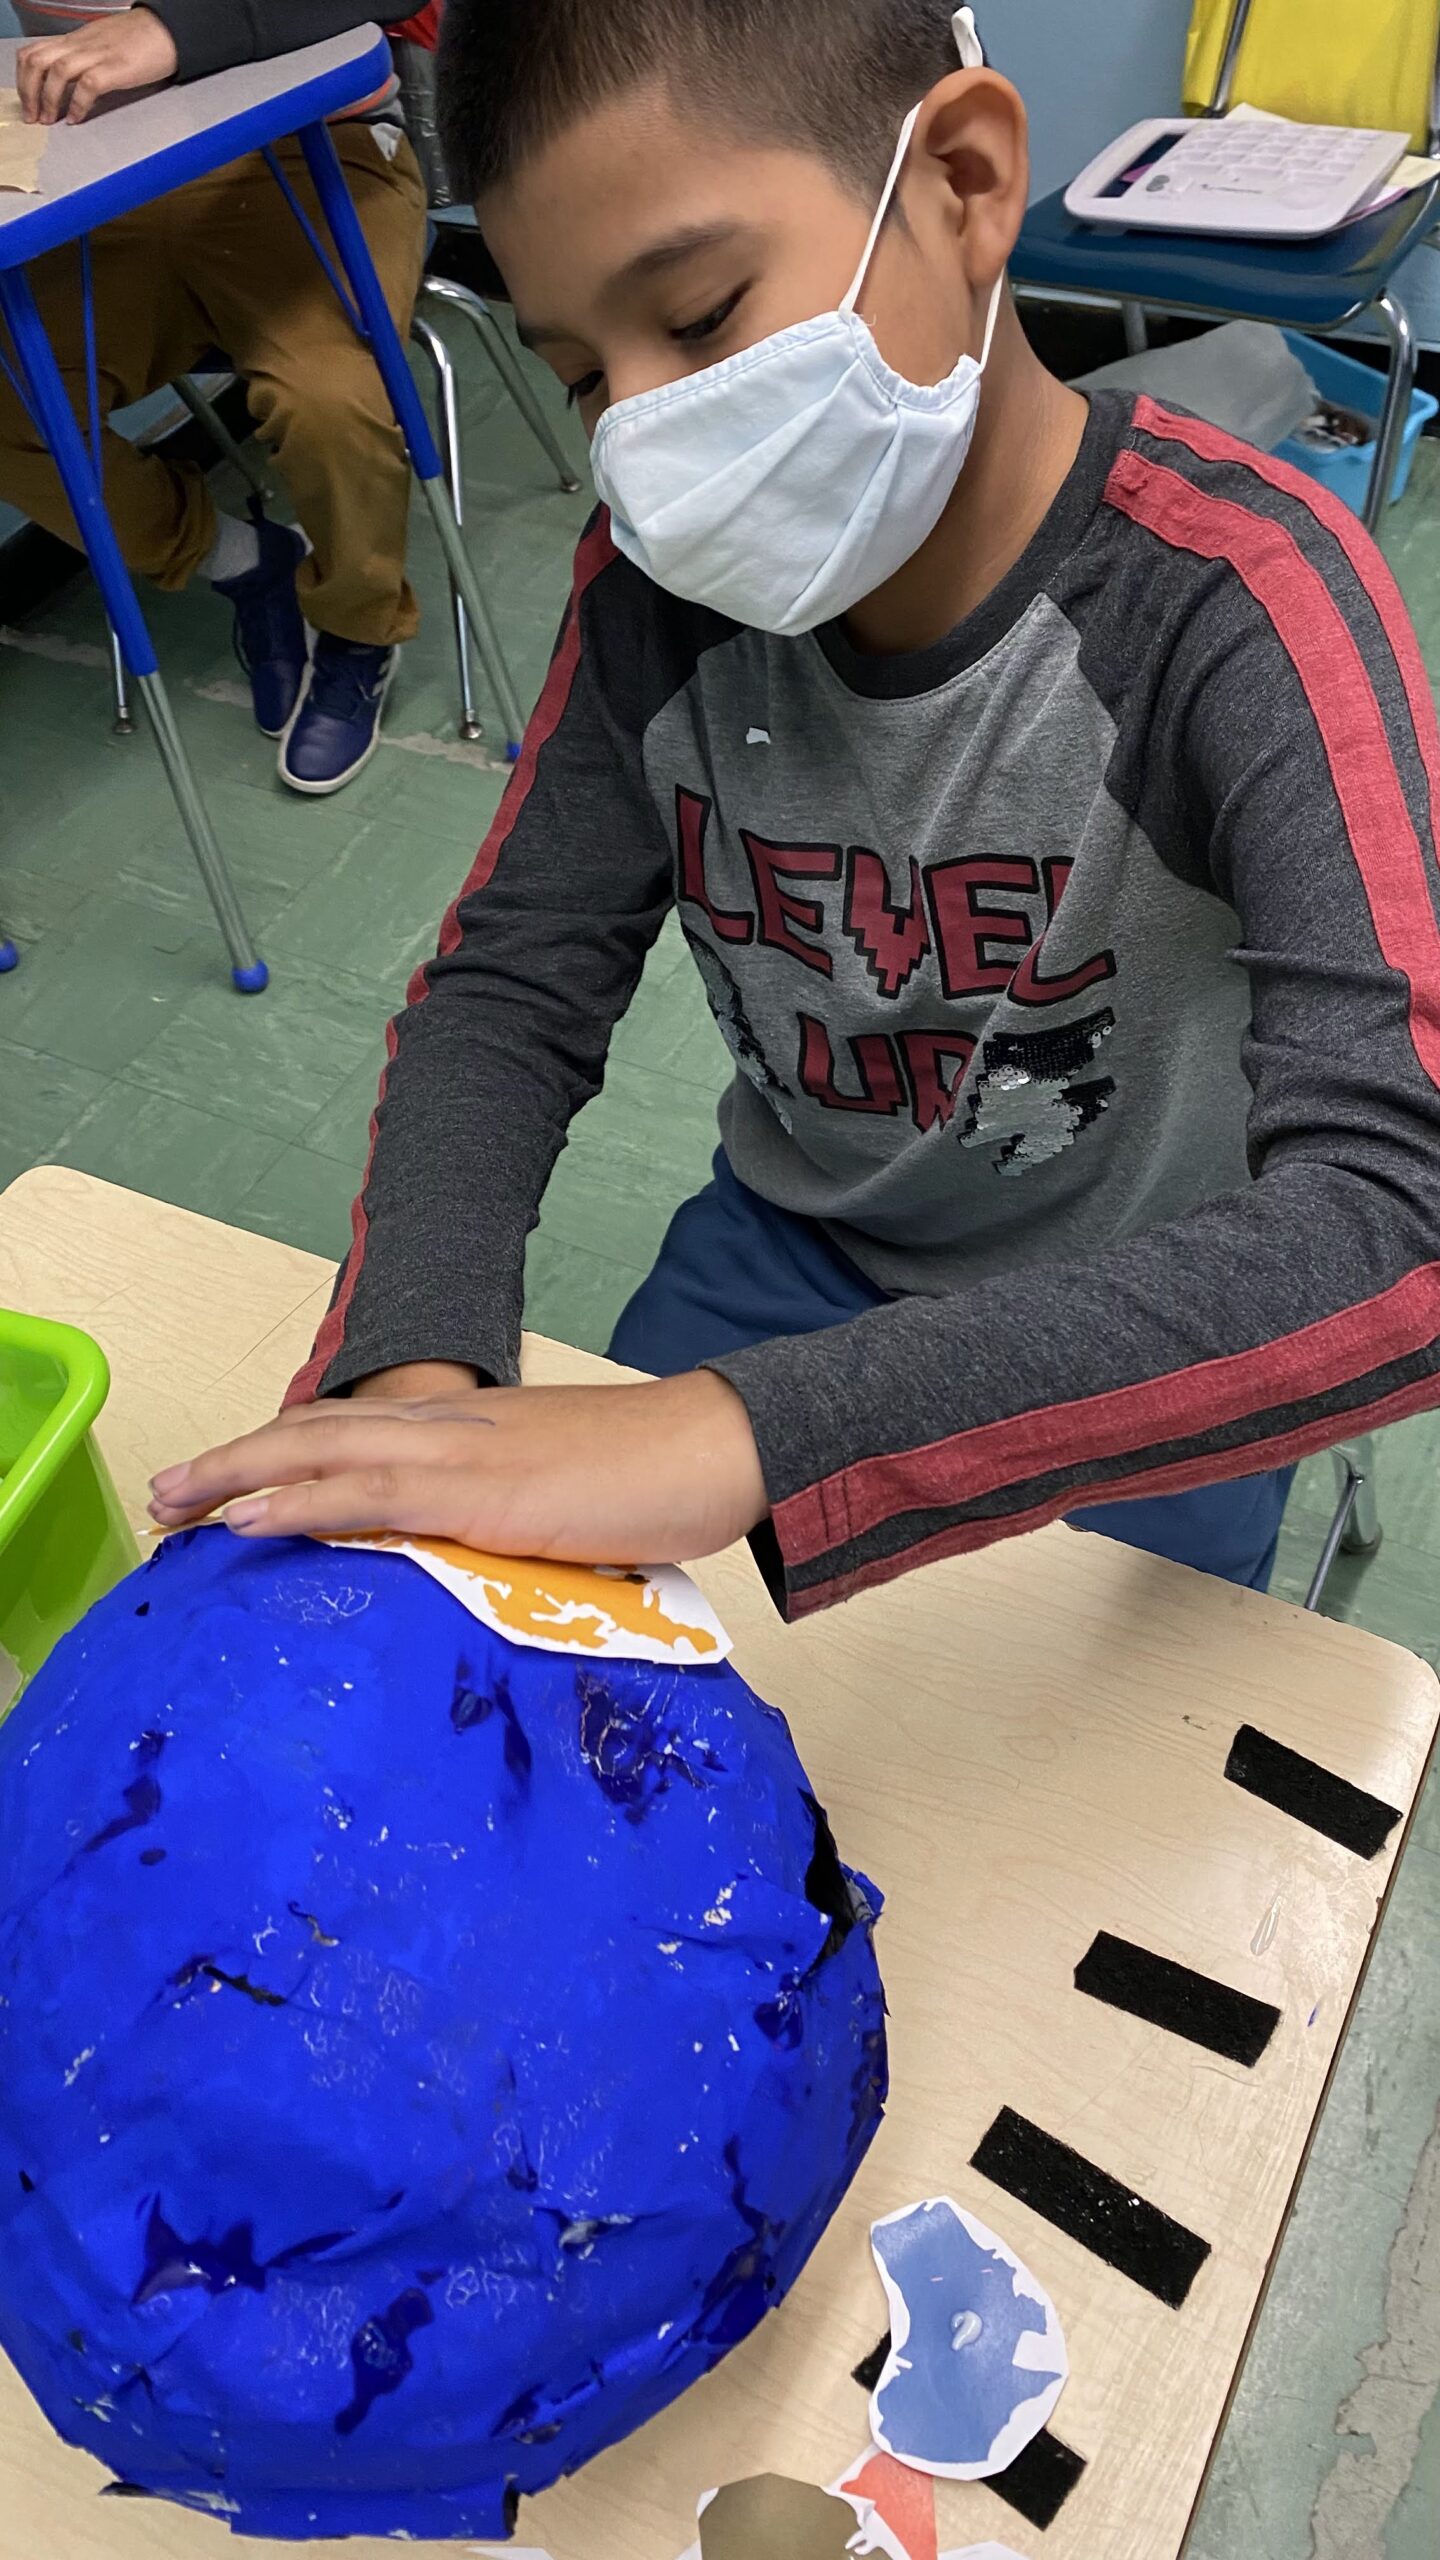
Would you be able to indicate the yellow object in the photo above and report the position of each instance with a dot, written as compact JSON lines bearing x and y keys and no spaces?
{"x":1370,"y":66}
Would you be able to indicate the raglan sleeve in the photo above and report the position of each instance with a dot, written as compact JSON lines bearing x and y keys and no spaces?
{"x":505,"y":1032}
{"x":209,"y":37}
{"x":1271,"y":1322}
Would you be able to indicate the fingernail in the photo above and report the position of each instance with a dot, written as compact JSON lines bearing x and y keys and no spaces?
{"x":246,"y":1515}
{"x":168,"y":1481}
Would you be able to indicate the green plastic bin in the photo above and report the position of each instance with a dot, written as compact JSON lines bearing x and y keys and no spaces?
{"x":63,"y":1536}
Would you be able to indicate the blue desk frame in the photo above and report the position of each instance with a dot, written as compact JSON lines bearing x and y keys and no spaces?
{"x":302,"y":112}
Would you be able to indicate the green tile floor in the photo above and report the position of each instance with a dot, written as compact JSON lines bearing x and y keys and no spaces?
{"x":122,"y":1050}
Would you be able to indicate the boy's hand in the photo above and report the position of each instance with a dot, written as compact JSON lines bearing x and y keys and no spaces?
{"x":648,"y":1474}
{"x":65,"y":76}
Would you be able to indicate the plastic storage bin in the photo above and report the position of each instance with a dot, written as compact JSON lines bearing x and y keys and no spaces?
{"x":63,"y":1536}
{"x":1351,"y":385}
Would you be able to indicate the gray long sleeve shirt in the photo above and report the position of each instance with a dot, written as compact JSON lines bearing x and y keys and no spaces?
{"x":1082,"y":975}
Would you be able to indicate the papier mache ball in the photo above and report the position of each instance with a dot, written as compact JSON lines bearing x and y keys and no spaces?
{"x":421,"y":2056}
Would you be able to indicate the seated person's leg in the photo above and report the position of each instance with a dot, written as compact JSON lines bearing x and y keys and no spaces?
{"x":148,"y":330}
{"x":319,"y":403}
{"x":163,"y":515}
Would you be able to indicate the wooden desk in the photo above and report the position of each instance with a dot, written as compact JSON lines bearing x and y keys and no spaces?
{"x":1022,"y":1748}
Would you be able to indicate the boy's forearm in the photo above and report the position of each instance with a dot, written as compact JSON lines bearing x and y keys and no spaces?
{"x":1261,"y":1329}
{"x":210,"y":37}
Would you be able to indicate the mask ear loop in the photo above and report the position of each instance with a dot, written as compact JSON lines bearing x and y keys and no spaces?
{"x":972,"y":58}
{"x":882,"y":208}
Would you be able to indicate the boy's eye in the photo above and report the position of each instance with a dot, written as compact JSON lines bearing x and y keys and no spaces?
{"x":696,"y":331}
{"x":584,"y":389}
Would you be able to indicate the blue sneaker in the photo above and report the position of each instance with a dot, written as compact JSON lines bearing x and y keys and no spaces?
{"x":270,"y":634}
{"x":337,"y":727}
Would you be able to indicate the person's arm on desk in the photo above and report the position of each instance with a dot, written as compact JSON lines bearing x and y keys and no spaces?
{"x":66,"y":77}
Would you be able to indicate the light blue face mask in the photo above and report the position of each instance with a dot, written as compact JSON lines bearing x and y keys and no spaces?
{"x":785,"y":483}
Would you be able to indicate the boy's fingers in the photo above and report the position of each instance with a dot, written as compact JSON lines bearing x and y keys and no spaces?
{"x":383,"y":1498}
{"x":281,"y":1453}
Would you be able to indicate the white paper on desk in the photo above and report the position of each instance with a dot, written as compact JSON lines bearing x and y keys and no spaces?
{"x":1410,"y":173}
{"x":22,"y":147}
{"x":619,"y":1613}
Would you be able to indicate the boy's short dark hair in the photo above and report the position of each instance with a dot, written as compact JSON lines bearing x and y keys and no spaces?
{"x":837,"y":77}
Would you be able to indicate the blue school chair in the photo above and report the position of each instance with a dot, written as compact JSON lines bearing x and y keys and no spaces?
{"x":1317,"y":286}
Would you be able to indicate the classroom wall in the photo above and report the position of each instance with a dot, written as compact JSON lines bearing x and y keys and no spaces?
{"x":1086,"y":69}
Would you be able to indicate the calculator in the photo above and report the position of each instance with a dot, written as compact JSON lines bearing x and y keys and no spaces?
{"x":1255,"y":176}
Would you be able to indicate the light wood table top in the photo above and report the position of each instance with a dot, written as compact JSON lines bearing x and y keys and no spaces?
{"x":1024,"y":1748}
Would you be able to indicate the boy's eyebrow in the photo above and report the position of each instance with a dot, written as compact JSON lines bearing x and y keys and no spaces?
{"x":662,"y":254}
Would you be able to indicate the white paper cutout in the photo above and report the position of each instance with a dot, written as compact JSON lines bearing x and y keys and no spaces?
{"x":996,"y":2355}
{"x":634,"y":1613}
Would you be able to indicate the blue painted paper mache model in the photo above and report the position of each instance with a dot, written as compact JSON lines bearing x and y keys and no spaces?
{"x":421,"y":2056}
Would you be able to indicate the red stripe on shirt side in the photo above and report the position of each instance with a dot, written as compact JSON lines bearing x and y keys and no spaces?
{"x":1183,"y":1476}
{"x":595,"y":553}
{"x":970,"y":1464}
{"x":1211,"y":444}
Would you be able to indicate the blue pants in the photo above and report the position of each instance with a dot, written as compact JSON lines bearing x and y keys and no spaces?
{"x":734,"y":1271}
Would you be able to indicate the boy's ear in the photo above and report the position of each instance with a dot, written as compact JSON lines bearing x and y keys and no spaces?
{"x":974,"y":137}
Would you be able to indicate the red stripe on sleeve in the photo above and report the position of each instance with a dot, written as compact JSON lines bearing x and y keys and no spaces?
{"x":1211,"y":444}
{"x":1326,"y":657}
{"x":1180,"y":1477}
{"x":970,"y":1464}
{"x":595,"y":553}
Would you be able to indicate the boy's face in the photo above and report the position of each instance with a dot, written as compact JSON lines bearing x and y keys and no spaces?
{"x":643,"y":244}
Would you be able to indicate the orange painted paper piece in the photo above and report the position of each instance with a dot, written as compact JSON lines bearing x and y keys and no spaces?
{"x":903,"y":2499}
{"x":526,"y":1596}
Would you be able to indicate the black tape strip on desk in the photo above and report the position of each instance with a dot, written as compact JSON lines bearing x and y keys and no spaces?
{"x":1039,"y":2480}
{"x":1131,"y":2235}
{"x":1169,"y":1995}
{"x":1310,"y":1794}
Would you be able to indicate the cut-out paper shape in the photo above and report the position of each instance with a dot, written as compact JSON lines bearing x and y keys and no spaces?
{"x":421,"y":2059}
{"x":891,"y":2516}
{"x":749,"y":2519}
{"x":903,"y":2501}
{"x":22,"y":147}
{"x":792,"y":2520}
{"x":634,"y":1613}
{"x":977,"y":2357}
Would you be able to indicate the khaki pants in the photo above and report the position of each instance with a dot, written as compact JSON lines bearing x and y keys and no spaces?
{"x":224,"y":264}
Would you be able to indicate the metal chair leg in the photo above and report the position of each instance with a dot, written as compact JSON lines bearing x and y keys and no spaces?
{"x":1362,"y":1534}
{"x":56,"y":419}
{"x":507,"y":364}
{"x":322,"y":161}
{"x":124,"y":720}
{"x":1355,"y":1527}
{"x":1395,"y":416}
{"x":205,"y":414}
{"x":448,"y":413}
{"x":1137,"y":332}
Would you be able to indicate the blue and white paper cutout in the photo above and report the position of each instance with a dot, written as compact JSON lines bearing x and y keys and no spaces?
{"x":977,"y":2356}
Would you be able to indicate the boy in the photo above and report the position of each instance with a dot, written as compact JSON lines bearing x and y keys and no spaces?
{"x":1063,"y":876}
{"x":223,"y":263}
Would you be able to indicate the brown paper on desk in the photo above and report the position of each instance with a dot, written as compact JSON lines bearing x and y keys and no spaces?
{"x":774,"y":2519}
{"x":22,"y":147}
